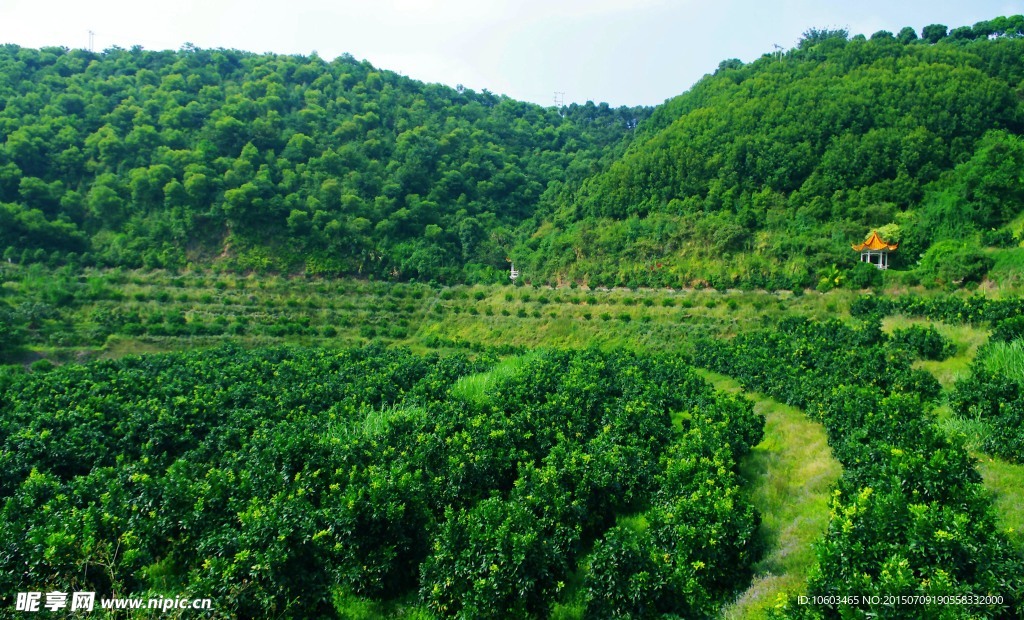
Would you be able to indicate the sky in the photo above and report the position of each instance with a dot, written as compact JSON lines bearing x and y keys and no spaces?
{"x":623,"y":52}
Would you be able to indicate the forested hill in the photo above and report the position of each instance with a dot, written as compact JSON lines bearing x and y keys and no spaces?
{"x":761,"y":175}
{"x":267,"y":162}
{"x":765,"y":173}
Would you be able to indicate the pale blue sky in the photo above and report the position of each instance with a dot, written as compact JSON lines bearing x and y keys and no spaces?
{"x":622,"y":52}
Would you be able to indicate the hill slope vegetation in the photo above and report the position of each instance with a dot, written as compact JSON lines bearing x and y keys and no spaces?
{"x":137,"y":158}
{"x":760,"y":175}
{"x":765,"y":172}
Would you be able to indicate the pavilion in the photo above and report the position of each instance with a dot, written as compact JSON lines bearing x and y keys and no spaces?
{"x":875,"y":250}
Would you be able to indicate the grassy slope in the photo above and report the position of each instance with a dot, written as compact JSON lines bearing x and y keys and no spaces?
{"x":789,"y":476}
{"x":215,"y":308}
{"x":1008,"y":269}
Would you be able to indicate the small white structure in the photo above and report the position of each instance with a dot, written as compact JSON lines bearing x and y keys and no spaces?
{"x":514,"y":273}
{"x":875,"y":251}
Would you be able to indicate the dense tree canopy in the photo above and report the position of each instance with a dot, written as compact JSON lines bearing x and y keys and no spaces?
{"x":280,"y":480}
{"x":766,"y":172}
{"x":762,"y":173}
{"x":141,"y":158}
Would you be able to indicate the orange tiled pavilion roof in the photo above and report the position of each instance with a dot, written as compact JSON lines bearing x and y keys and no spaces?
{"x":874,"y":242}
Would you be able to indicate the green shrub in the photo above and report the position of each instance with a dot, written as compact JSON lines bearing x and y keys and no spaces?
{"x":999,"y":238}
{"x":954,"y":262}
{"x":864,"y":275}
{"x":626,"y":579}
{"x":1009,"y":329}
{"x":41,"y":366}
{"x":923,"y":342}
{"x":469,"y":573}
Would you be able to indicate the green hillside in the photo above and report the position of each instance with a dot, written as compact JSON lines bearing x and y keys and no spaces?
{"x":760,"y":175}
{"x":764,"y":173}
{"x":136,"y":158}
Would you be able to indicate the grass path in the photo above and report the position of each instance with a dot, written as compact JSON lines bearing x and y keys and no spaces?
{"x":789,"y":476}
{"x":1006,"y":483}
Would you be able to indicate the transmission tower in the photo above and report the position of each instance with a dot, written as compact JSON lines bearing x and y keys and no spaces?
{"x":91,"y":36}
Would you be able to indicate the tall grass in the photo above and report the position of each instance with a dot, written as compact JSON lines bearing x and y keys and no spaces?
{"x":354,"y":607}
{"x":476,"y":388}
{"x":374,"y":421}
{"x":1006,"y":482}
{"x":377,"y":421}
{"x":972,"y":432}
{"x":1008,"y":268}
{"x":1006,"y":358}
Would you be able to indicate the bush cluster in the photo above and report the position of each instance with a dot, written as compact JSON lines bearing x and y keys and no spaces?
{"x":274,"y":479}
{"x":946,"y":308}
{"x":924,"y":342}
{"x":994,"y":393}
{"x":909,"y":515}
